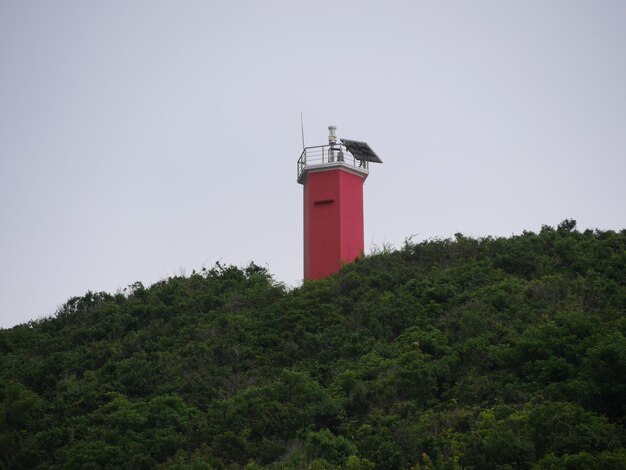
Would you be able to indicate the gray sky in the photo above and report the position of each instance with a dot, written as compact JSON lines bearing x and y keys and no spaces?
{"x":142,"y":139}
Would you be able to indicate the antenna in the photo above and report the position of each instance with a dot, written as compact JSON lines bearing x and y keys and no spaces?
{"x":302,"y":128}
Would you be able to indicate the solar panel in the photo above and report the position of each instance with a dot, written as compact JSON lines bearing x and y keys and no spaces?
{"x":361,"y":150}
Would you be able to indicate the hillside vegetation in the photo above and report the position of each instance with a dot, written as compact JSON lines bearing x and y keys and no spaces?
{"x":463,"y":353}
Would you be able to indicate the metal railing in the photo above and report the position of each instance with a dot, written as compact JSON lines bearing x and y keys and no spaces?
{"x":321,"y":155}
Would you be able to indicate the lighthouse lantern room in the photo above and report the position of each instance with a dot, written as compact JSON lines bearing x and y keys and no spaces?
{"x":333,"y":176}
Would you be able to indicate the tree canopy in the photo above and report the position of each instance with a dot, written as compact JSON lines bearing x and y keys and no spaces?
{"x":444,"y":354}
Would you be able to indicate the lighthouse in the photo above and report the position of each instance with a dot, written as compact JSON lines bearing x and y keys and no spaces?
{"x":332,"y":177}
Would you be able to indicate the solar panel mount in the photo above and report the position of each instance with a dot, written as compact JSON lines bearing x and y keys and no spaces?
{"x":361,"y":150}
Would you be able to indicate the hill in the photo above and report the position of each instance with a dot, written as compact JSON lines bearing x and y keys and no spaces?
{"x":462,"y":353}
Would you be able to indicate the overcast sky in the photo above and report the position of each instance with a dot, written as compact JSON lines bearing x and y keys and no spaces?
{"x":144,"y":139}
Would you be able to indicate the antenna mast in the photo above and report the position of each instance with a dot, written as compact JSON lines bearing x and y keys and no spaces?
{"x":302,"y":128}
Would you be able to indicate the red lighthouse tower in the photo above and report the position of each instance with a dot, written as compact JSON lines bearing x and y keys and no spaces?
{"x":333,"y":176}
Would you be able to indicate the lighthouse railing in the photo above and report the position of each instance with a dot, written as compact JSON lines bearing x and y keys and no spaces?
{"x":322,"y":155}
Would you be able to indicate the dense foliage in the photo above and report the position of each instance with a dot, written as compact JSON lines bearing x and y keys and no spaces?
{"x":464,"y":353}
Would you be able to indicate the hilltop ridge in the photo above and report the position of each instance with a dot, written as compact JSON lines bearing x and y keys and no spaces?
{"x":449,"y":353}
